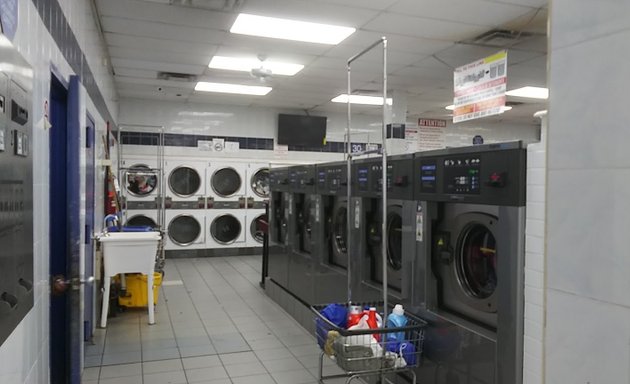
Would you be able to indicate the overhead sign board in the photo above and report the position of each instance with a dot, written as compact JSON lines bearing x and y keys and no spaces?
{"x":479,"y":88}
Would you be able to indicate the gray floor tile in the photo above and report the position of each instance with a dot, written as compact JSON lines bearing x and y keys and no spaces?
{"x":245,"y":369}
{"x":238,"y":358}
{"x":162,"y":366}
{"x":155,"y":354}
{"x":121,"y":370}
{"x":122,"y":380}
{"x":206,"y":374}
{"x":282,"y":365}
{"x":93,"y":361}
{"x":293,"y":341}
{"x":268,"y":343}
{"x":200,"y":350}
{"x":193,"y":341}
{"x":91,"y":373}
{"x":257,"y":379}
{"x":172,"y":377}
{"x":201,"y":362}
{"x":273,"y":354}
{"x":305,"y":350}
{"x":122,"y":358}
{"x":217,"y":381}
{"x":293,"y":377}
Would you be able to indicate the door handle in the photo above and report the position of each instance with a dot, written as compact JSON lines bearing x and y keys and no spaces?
{"x":59,"y":284}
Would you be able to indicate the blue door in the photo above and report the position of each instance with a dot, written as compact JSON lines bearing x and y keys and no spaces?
{"x":65,"y":230}
{"x":88,"y":311}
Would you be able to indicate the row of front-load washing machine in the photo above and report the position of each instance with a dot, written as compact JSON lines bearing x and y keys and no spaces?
{"x":208,"y":204}
{"x":454,"y":251}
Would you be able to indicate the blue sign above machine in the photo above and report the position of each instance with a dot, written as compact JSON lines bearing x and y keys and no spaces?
{"x":9,"y":17}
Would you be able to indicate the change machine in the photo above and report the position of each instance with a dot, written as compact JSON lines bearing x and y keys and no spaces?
{"x":16,"y":189}
{"x":470,"y":237}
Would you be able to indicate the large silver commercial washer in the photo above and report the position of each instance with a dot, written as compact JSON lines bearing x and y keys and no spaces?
{"x":470,"y":220}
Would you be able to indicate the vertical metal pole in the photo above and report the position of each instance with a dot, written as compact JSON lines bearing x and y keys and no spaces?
{"x":384,"y":186}
{"x":348,"y":192}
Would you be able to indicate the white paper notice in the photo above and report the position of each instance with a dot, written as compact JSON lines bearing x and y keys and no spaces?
{"x":431,"y":134}
{"x":479,"y":88}
{"x":412,"y":139}
{"x":232,"y":146}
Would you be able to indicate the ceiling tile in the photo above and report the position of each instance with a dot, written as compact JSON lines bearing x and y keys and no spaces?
{"x":478,"y":12}
{"x":311,"y":11}
{"x":158,"y":66}
{"x":137,"y":42}
{"x":529,"y":3}
{"x":166,"y":14}
{"x":370,"y":4}
{"x":193,"y":58}
{"x":270,"y":47}
{"x":422,"y":27}
{"x":141,"y":73}
{"x":162,"y":31}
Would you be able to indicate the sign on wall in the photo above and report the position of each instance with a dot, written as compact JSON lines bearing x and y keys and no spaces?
{"x":479,"y":88}
{"x":431,"y":134}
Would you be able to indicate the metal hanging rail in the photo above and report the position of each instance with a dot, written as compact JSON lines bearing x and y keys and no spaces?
{"x":383,"y":152}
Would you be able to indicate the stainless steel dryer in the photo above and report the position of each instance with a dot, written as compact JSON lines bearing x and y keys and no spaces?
{"x":471,"y":220}
{"x":367,"y":208}
{"x":302,"y":268}
{"x":329,"y":233}
{"x":278,"y":226}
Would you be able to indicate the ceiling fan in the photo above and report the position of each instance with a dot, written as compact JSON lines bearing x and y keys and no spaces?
{"x":261,"y":73}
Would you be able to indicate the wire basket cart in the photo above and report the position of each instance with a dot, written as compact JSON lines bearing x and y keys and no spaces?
{"x":369,"y":352}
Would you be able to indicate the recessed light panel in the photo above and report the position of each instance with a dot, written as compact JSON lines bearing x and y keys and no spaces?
{"x":246,"y":64}
{"x":530,"y":92}
{"x":232,"y":88}
{"x":361,"y":99}
{"x":288,"y":29}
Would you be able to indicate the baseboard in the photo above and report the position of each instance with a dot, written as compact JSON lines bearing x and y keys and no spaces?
{"x":214,"y":252}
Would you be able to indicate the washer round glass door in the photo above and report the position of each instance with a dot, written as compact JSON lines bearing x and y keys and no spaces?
{"x":255,"y":230}
{"x":394,"y":240}
{"x":259,"y":183}
{"x":184,"y":181}
{"x":226,"y":182}
{"x":141,"y":180}
{"x":141,"y":221}
{"x":476,"y":261}
{"x":340,"y":236}
{"x":225,"y":229}
{"x":184,"y":230}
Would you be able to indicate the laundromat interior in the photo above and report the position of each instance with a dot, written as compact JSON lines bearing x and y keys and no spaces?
{"x":314,"y":191}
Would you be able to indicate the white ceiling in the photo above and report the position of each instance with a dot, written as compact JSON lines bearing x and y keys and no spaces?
{"x":426,"y":41}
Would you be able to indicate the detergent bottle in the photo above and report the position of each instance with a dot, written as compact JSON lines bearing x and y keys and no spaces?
{"x":373,"y":322}
{"x":396,"y":319}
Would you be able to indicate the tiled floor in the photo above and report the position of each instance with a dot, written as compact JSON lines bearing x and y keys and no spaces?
{"x":214,"y":324}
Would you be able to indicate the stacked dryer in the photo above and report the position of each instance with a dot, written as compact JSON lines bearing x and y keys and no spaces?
{"x":185,"y":204}
{"x":141,"y":188}
{"x":367,"y":234}
{"x":226,"y":203}
{"x":471,"y":219}
{"x":257,"y":196}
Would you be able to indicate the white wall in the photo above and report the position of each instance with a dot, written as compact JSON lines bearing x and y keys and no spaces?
{"x":204,"y":119}
{"x":24,"y":355}
{"x":587,"y":336}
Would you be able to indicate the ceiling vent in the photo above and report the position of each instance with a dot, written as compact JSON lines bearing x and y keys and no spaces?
{"x":175,"y":76}
{"x":500,"y":38}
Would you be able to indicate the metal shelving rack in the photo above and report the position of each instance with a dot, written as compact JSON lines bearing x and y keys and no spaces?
{"x":159,"y":171}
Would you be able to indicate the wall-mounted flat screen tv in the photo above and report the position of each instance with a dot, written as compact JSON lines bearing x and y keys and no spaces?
{"x":301,"y":130}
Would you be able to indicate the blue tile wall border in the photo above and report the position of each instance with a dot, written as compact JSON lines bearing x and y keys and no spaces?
{"x":259,"y":143}
{"x":57,"y":25}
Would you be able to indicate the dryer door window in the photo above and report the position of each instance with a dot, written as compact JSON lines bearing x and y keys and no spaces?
{"x":260,"y":183}
{"x":141,"y":180}
{"x":141,"y":221}
{"x":226,"y":182}
{"x":394,"y":240}
{"x":225,"y":229}
{"x":255,"y":229}
{"x":340,"y":237}
{"x":184,"y":230}
{"x":477,"y":261}
{"x":184,"y":181}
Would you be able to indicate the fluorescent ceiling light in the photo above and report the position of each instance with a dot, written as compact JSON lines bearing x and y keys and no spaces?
{"x":530,"y":92}
{"x":232,"y":88}
{"x":287,"y":29}
{"x":246,"y":64}
{"x":361,"y":99}
{"x":503,"y":109}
